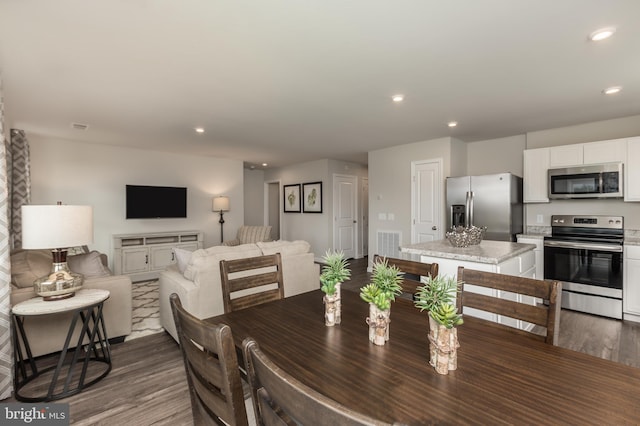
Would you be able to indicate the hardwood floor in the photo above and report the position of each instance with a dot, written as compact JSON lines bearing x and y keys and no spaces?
{"x":147,"y":385}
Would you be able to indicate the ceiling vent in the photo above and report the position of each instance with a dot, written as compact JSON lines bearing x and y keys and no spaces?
{"x":79,"y":126}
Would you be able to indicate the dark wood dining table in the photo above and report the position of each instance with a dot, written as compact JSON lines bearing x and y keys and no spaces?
{"x":502,"y":376}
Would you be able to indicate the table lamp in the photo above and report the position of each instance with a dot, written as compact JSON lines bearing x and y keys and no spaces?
{"x":57,"y":227}
{"x":221,"y":204}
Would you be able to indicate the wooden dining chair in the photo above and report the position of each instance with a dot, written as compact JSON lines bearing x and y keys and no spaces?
{"x":278,"y":398}
{"x":546,"y":314}
{"x":251,"y":281}
{"x":412,"y":271}
{"x":211,"y":365}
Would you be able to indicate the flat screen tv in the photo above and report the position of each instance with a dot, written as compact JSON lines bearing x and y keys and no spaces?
{"x":155,"y":202}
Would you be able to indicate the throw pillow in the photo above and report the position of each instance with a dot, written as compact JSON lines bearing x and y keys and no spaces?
{"x":182,"y":258}
{"x":29,"y":265}
{"x":88,"y":264}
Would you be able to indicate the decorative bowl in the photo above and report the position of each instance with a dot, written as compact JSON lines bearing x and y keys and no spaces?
{"x":464,"y":237}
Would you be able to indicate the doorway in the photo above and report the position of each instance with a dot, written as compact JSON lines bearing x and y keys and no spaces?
{"x":426,"y":200}
{"x":345,"y":214}
{"x":272,"y":208}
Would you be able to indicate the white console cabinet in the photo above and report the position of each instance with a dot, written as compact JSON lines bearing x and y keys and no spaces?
{"x":144,"y":256}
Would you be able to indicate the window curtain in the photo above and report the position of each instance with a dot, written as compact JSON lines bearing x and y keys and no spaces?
{"x":6,"y":347}
{"x":19,"y":182}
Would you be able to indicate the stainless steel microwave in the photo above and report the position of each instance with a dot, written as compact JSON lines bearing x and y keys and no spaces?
{"x":592,"y":181}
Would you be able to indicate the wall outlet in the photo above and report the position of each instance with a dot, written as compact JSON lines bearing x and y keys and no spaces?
{"x":382,"y":216}
{"x":391,"y":216}
{"x":539,"y":218}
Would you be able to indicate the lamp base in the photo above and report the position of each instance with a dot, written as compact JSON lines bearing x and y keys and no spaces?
{"x":60,"y":284}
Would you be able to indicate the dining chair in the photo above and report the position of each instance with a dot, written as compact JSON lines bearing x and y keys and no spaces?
{"x":546,"y":314}
{"x":211,"y":365}
{"x":412,"y":271}
{"x":251,"y":281}
{"x":278,"y":398}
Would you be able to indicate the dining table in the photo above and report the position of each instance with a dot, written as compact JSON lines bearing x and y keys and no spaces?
{"x":502,"y":375}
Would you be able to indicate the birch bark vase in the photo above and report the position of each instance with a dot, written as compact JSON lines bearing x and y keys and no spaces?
{"x":332,"y":308}
{"x":443,"y":347}
{"x":378,"y":321}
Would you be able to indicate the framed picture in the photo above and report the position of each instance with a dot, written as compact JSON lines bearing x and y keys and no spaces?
{"x":292,"y":198}
{"x":312,"y":197}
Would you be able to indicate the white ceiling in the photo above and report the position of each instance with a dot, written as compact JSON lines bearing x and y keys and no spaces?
{"x":284,"y":81}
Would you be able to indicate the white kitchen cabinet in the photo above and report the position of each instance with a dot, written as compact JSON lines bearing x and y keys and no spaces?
{"x":632,"y":170}
{"x":538,"y":252}
{"x":610,"y":151}
{"x":631,"y":285}
{"x":144,"y":256}
{"x":566,"y":155}
{"x":536,"y":163}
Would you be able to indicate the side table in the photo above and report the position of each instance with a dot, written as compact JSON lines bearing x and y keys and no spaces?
{"x":91,"y":354}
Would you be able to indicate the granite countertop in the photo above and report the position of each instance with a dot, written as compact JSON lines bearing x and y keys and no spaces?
{"x":632,"y":241}
{"x":533,"y":236}
{"x":487,"y":251}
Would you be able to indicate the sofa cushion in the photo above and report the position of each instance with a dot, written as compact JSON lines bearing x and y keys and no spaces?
{"x":88,"y":264}
{"x":252,"y":234}
{"x":285,"y":248}
{"x":201,"y":257}
{"x":182,"y":258}
{"x":29,"y":265}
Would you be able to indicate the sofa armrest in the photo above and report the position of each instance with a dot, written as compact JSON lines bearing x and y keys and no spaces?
{"x":235,"y":242}
{"x":300,"y":274}
{"x":172,"y":281}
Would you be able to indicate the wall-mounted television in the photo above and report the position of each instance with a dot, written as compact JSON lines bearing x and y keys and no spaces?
{"x":155,"y":202}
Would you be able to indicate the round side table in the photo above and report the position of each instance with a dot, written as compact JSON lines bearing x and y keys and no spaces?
{"x":91,"y":353}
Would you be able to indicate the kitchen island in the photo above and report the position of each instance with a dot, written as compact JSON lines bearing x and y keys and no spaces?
{"x":502,"y":257}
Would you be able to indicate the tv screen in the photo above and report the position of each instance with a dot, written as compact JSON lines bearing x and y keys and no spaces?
{"x":153,"y":202}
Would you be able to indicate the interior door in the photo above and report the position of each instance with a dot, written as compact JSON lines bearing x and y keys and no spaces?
{"x":345,"y":214}
{"x":426,"y":201}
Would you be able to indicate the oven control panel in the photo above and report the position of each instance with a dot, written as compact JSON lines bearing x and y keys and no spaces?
{"x":611,"y":222}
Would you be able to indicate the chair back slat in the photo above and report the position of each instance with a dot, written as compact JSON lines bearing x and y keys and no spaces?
{"x":413,"y":271}
{"x":546,"y":314}
{"x":251,"y":281}
{"x":211,"y":366}
{"x":280,"y":399}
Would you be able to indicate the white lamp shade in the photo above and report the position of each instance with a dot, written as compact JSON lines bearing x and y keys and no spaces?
{"x":221,"y":204}
{"x":56,"y":226}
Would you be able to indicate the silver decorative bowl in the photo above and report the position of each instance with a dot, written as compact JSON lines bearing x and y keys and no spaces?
{"x":465,"y":237}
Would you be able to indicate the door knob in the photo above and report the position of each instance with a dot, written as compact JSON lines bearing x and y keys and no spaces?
{"x":434,"y":228}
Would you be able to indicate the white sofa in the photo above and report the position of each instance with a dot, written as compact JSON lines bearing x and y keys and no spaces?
{"x":198,"y":284}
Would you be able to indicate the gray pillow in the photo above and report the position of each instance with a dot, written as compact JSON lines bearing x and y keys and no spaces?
{"x":88,"y":264}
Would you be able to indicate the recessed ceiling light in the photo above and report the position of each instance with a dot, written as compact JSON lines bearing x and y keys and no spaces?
{"x":264,"y":164}
{"x":199,"y":129}
{"x":397,"y":98}
{"x":602,"y":34}
{"x":452,"y":123}
{"x":612,"y":90}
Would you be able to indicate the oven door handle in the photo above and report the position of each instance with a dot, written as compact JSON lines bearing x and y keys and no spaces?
{"x":587,"y":246}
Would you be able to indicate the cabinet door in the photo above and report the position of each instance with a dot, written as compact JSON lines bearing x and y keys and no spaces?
{"x":161,"y":257}
{"x":566,"y":155}
{"x":631,"y":290}
{"x":632,"y":170}
{"x":135,"y":260}
{"x":605,"y":151}
{"x":188,"y":246}
{"x":536,"y":163}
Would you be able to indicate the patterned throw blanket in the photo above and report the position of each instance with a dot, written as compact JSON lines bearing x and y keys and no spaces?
{"x":146,"y":310}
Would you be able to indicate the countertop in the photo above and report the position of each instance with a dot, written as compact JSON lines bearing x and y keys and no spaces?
{"x":632,"y":241}
{"x":492,"y":252}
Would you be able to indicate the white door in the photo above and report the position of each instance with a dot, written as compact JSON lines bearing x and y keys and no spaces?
{"x":345,"y":214}
{"x":426,"y":200}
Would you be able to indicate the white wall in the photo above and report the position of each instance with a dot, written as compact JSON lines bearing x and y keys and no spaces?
{"x":502,"y":155}
{"x":78,"y":173}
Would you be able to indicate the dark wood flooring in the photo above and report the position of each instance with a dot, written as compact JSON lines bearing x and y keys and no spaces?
{"x":147,"y":385}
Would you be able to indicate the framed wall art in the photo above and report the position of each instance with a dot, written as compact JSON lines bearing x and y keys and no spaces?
{"x":312,"y":197}
{"x":292,"y":198}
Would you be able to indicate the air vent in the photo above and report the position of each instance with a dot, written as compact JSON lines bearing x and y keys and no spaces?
{"x":388,"y":243}
{"x":79,"y":126}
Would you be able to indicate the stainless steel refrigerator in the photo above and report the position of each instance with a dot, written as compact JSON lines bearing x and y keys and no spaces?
{"x":494,"y":201}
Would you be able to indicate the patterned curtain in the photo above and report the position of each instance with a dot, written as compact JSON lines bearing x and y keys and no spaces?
{"x":19,"y":182}
{"x":6,"y":349}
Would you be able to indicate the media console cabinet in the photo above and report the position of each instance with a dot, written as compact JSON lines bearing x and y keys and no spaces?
{"x":144,"y":256}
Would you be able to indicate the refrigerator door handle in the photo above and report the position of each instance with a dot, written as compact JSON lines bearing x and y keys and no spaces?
{"x":470,"y":209}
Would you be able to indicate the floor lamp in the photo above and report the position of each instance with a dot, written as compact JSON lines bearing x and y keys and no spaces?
{"x":221,"y":204}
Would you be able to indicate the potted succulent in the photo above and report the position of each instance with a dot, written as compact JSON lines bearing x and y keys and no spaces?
{"x":334,"y":272}
{"x":437,"y":297}
{"x":385,"y":285}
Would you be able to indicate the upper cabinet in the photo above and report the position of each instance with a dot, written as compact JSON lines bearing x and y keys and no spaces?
{"x":632,"y":170}
{"x":536,"y":163}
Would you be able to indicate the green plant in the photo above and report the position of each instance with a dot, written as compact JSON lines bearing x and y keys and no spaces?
{"x":334,"y":271}
{"x":436,"y":296}
{"x":385,"y":285}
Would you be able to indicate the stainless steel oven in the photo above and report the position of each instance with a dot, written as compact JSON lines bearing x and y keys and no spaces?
{"x":585,"y":253}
